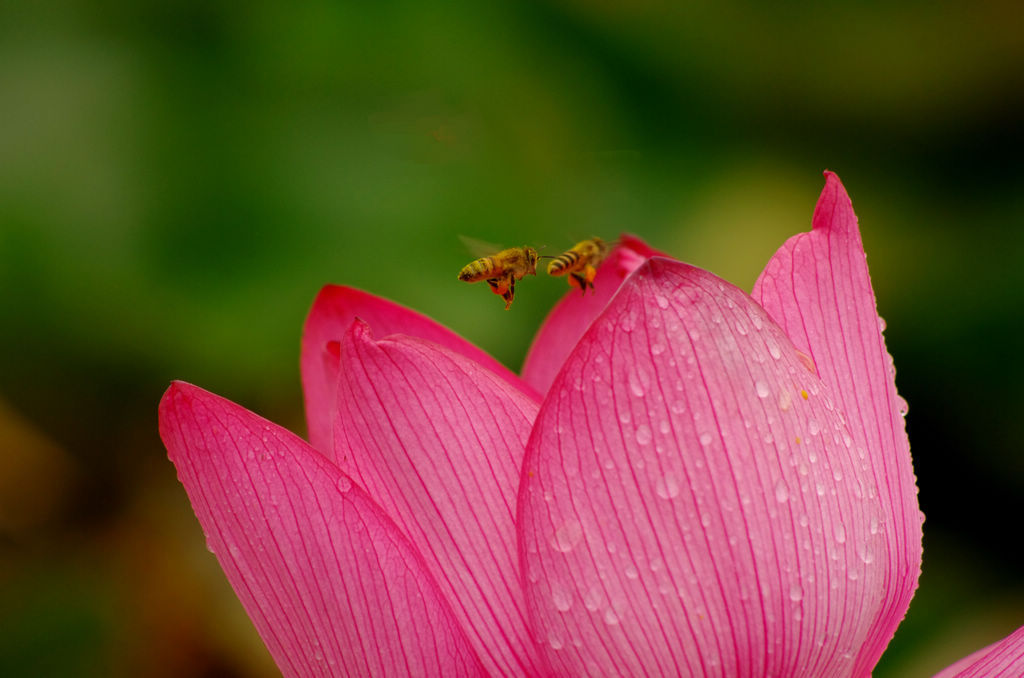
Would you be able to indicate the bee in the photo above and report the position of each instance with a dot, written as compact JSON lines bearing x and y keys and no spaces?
{"x":502,"y":270}
{"x":580,"y":263}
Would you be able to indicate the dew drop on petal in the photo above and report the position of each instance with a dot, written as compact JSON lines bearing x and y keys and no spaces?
{"x":635,"y":386}
{"x":567,"y":536}
{"x":631,"y":572}
{"x":840,"y":533}
{"x":902,"y":406}
{"x":592,"y":599}
{"x":661,"y":300}
{"x":610,"y":617}
{"x":643,"y":434}
{"x":781,"y":492}
{"x":667,"y":487}
{"x":560,"y":598}
{"x":796,"y":593}
{"x":774,"y":350}
{"x":344,"y":484}
{"x":555,"y":641}
{"x":762,"y":389}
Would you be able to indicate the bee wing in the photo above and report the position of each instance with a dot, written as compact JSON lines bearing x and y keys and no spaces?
{"x":480,"y":248}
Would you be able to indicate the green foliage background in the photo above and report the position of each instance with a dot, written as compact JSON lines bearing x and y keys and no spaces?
{"x":177,"y":180}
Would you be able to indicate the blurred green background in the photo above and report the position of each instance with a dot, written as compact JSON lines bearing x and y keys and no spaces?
{"x":177,"y":180}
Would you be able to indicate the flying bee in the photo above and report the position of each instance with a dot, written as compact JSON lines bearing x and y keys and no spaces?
{"x":502,"y":270}
{"x":580,"y":263}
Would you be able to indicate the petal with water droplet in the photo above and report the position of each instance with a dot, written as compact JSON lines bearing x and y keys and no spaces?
{"x":331,"y":583}
{"x":330,"y":317}
{"x":818,"y":289}
{"x":438,"y":441}
{"x":693,"y":540}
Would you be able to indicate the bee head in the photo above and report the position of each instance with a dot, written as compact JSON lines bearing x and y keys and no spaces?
{"x":531,"y":258}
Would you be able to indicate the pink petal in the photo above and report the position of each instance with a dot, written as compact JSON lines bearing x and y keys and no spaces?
{"x":331,"y":584}
{"x":438,"y":440}
{"x":1002,"y":659}
{"x":818,"y":289}
{"x":690,"y":502}
{"x":333,"y":312}
{"x":571,"y":317}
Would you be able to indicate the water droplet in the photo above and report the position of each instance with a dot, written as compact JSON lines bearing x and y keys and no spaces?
{"x":774,"y":350}
{"x":567,"y":536}
{"x":807,"y":362}
{"x":902,"y":406}
{"x":867,"y":556}
{"x":664,"y":426}
{"x":560,"y":598}
{"x":803,"y":520}
{"x":796,"y":594}
{"x":555,"y":641}
{"x":643,"y":434}
{"x":610,"y":617}
{"x":635,"y":386}
{"x":631,"y":572}
{"x":741,"y":328}
{"x":762,"y":389}
{"x":840,"y":533}
{"x":657,"y":348}
{"x":705,"y":519}
{"x":785,"y":400}
{"x":706,"y":438}
{"x":813,"y":427}
{"x":781,"y":492}
{"x":661,"y":300}
{"x":881,"y":324}
{"x":592,"y":599}
{"x":677,"y":407}
{"x":667,"y":487}
{"x":344,"y":484}
{"x":624,"y":417}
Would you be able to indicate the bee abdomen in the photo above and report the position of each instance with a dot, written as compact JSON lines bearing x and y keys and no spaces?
{"x":477,"y":270}
{"x":563,"y":262}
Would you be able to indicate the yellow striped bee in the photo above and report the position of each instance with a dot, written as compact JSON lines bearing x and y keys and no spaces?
{"x":580,"y":263}
{"x":502,"y":270}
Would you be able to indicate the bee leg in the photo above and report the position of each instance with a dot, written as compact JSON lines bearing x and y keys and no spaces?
{"x":510,"y":293}
{"x":590,"y":272}
{"x":495,"y":286}
{"x":577,"y":280}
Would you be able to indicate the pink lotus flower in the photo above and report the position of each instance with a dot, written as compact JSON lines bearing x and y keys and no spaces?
{"x":686,"y":480}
